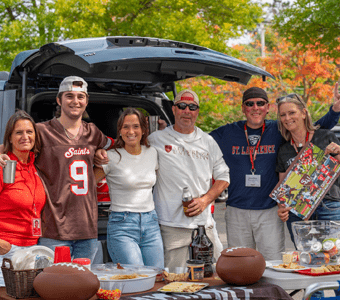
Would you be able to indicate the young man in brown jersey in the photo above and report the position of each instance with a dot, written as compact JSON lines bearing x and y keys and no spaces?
{"x":65,"y":164}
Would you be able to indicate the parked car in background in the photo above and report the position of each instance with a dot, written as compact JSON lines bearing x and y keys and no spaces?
{"x":120,"y":71}
{"x":336,"y":130}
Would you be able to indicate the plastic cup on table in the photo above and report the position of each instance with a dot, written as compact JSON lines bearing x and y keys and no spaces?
{"x":62,"y":254}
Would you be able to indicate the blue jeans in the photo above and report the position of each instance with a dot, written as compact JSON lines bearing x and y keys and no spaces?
{"x":79,"y":248}
{"x":327,"y":210}
{"x":135,"y":238}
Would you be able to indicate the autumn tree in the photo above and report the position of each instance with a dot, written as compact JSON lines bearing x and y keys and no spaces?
{"x":25,"y":24}
{"x":307,"y":72}
{"x":28,"y":24}
{"x":315,"y":22}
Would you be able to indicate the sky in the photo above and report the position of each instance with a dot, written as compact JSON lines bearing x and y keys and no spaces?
{"x":245,"y":39}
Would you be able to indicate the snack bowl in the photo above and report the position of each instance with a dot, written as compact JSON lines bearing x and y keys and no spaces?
{"x":128,"y":285}
{"x":132,"y":285}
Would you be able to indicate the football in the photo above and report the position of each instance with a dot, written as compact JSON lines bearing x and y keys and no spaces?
{"x":240,"y":266}
{"x":66,"y":281}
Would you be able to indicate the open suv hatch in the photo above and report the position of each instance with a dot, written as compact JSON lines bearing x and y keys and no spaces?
{"x":120,"y":71}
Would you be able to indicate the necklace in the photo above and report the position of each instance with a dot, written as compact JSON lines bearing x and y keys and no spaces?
{"x":300,"y":144}
{"x":68,"y":135}
{"x":134,"y":153}
{"x":71,"y":138}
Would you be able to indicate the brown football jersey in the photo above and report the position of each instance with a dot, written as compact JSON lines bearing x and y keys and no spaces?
{"x":66,"y":166}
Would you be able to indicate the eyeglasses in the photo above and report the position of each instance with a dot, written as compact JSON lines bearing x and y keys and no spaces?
{"x":289,"y":96}
{"x":191,"y":106}
{"x":258,"y":103}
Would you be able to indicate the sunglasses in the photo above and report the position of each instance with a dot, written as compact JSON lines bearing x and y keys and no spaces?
{"x":191,"y":106}
{"x":290,"y":96}
{"x":258,"y":103}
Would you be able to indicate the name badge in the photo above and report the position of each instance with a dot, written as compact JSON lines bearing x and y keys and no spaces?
{"x":36,"y":227}
{"x":253,"y":180}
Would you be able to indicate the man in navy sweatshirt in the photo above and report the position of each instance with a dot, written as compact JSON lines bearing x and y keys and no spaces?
{"x":249,"y":149}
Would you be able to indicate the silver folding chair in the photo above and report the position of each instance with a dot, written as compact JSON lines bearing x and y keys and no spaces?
{"x":320,"y":286}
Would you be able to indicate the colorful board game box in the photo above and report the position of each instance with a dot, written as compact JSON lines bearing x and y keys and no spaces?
{"x":306,"y":181}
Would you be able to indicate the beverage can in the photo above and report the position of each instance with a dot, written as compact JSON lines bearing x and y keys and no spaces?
{"x":337,"y":244}
{"x":314,"y":258}
{"x":328,"y":245}
{"x":316,"y":247}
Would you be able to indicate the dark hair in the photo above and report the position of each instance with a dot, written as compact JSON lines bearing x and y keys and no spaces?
{"x":61,"y":94}
{"x":75,"y":83}
{"x":20,"y":115}
{"x":119,"y":143}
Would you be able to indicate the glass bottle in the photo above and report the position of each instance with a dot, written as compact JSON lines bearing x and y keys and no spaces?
{"x":186,"y":200}
{"x":202,"y":248}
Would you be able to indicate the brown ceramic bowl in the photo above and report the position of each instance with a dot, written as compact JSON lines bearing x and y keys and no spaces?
{"x":240,"y":266}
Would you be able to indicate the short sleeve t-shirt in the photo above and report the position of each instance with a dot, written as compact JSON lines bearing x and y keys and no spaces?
{"x":130,"y":179}
{"x":66,"y":166}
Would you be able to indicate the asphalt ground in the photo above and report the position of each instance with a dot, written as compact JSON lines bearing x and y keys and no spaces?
{"x":221,"y":229}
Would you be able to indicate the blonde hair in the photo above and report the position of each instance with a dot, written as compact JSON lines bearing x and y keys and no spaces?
{"x":301,"y":105}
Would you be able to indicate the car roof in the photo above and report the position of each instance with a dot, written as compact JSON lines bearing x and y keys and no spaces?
{"x":109,"y":63}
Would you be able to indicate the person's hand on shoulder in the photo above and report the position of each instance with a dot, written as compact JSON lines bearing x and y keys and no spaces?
{"x":100,"y":158}
{"x":162,"y":124}
{"x":3,"y":158}
{"x":336,"y":98}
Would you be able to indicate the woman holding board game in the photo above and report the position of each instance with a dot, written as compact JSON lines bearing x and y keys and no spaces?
{"x":296,"y":126}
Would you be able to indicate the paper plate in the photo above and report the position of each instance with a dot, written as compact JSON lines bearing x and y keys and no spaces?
{"x":42,"y":250}
{"x":286,"y":270}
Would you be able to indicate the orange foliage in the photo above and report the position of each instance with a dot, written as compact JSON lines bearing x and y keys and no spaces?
{"x":307,"y":73}
{"x":310,"y":73}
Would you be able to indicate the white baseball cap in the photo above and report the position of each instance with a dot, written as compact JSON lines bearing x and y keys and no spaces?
{"x":193,"y":96}
{"x":68,"y":86}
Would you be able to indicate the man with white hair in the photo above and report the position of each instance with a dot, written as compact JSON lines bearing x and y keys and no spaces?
{"x":188,"y":157}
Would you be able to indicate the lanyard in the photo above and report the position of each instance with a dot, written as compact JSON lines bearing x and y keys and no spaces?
{"x":31,"y":176}
{"x":253,"y":158}
{"x":294,"y":145}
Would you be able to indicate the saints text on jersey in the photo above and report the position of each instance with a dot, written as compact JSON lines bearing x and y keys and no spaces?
{"x":79,"y":151}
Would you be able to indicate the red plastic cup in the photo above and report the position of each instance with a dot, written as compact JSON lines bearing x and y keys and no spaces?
{"x":62,"y":254}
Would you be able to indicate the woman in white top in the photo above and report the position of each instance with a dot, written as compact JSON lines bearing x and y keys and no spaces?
{"x":133,"y":233}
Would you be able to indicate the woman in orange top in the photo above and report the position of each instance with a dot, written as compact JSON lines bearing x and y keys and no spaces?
{"x":21,"y":202}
